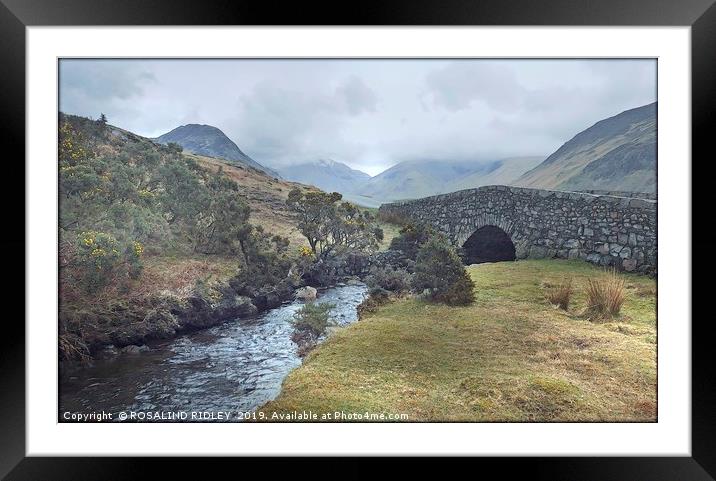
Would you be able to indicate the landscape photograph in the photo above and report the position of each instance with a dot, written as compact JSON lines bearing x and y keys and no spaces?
{"x":357,"y":240}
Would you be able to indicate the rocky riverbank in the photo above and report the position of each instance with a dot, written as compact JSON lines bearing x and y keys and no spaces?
{"x":127,"y":325}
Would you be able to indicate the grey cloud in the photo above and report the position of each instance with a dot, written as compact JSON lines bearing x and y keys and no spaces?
{"x":103,"y":80}
{"x":358,"y":97}
{"x":367,"y":113}
{"x":459,"y":84}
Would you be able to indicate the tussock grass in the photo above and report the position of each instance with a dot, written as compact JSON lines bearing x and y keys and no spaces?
{"x":605,"y":295}
{"x":561,"y":294}
{"x":507,"y":357}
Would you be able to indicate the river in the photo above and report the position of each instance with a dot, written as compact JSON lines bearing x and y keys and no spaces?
{"x":234,"y":367}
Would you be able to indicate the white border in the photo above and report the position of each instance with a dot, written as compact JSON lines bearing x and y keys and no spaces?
{"x":670,"y":436}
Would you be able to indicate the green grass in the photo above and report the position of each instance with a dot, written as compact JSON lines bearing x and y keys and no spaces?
{"x":511,"y":356}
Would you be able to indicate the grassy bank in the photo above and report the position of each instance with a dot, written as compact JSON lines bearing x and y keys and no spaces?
{"x":511,"y":356}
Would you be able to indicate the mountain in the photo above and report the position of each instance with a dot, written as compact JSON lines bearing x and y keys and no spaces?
{"x":326,"y":174}
{"x":502,"y":172}
{"x":211,"y":142}
{"x":421,"y":178}
{"x":618,"y":154}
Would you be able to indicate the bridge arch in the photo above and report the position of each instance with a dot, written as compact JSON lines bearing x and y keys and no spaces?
{"x":488,"y":243}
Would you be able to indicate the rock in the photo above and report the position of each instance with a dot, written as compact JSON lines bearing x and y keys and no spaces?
{"x":234,"y":307}
{"x":133,"y":350}
{"x":603,"y":249}
{"x":593,"y":258}
{"x":629,"y":264}
{"x":161,"y":322}
{"x":632,"y":240}
{"x":572,"y":244}
{"x":615,"y":249}
{"x":306,"y":294}
{"x":107,"y":352}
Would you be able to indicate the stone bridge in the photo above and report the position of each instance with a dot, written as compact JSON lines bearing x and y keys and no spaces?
{"x":495,"y":223}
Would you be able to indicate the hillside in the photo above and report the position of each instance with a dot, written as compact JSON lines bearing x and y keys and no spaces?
{"x":266,"y":197}
{"x":120,"y":184}
{"x":422,"y":178}
{"x":503,"y":172}
{"x":209,"y":141}
{"x":618,"y":153}
{"x":326,"y":174}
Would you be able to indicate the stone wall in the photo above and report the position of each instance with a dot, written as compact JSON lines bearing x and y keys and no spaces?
{"x":602,"y":229}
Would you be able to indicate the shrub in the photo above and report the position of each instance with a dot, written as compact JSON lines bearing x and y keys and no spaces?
{"x":459,"y":293}
{"x":102,"y":261}
{"x":313,"y":318}
{"x":439,"y":273}
{"x":561,"y":294}
{"x":390,"y":279}
{"x":605,"y":295}
{"x":310,"y":322}
{"x":411,"y":238}
{"x":377,"y":296}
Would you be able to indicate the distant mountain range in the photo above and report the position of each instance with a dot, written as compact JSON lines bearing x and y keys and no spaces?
{"x":618,"y":154}
{"x":421,"y":178}
{"x":615,"y":154}
{"x":211,"y":142}
{"x":326,"y":174}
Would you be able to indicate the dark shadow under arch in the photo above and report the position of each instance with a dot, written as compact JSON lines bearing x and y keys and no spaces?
{"x":488,"y":244}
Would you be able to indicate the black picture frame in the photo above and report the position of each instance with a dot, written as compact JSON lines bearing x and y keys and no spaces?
{"x":16,"y":15}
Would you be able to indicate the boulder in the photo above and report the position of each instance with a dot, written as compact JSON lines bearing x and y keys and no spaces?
{"x":234,"y":307}
{"x":161,"y":323}
{"x":107,"y":352}
{"x":133,"y":349}
{"x":306,"y":294}
{"x":629,"y":264}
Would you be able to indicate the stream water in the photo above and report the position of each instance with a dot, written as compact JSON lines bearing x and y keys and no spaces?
{"x":231,"y":368}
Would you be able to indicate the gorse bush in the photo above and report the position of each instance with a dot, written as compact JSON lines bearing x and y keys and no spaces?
{"x":605,"y":295}
{"x":104,"y":260}
{"x":124,"y":197}
{"x":561,"y":294}
{"x":411,"y":238}
{"x":390,"y":279}
{"x":265,"y":259}
{"x":377,"y":296}
{"x":313,"y":318}
{"x":440,"y":274}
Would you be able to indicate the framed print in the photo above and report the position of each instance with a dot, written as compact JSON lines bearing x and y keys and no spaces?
{"x":416,"y":231}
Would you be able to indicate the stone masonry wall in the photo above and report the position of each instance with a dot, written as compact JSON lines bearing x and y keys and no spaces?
{"x":603,"y":229}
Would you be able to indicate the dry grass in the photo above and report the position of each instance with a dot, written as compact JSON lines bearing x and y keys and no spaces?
{"x":509,"y":356}
{"x":561,"y":294}
{"x":176,"y":275}
{"x":605,"y":295}
{"x":266,"y":196}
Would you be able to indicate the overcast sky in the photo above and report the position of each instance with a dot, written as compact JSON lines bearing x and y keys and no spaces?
{"x":369,"y":114}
